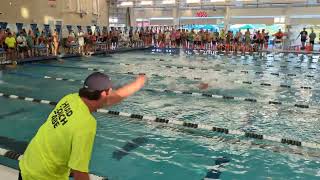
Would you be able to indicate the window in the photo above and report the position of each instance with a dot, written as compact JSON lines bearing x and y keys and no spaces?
{"x":113,"y":20}
{"x":279,"y":20}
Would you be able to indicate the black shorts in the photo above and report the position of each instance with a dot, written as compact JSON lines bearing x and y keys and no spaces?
{"x":23,"y":49}
{"x":12,"y":49}
{"x":178,"y":41}
{"x":5,"y":47}
{"x":114,"y":40}
{"x":312,"y":42}
{"x":86,"y":40}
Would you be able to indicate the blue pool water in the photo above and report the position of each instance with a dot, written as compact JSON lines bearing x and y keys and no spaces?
{"x":155,"y":151}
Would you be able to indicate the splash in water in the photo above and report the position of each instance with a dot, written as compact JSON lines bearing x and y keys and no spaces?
{"x":215,"y":172}
{"x":131,"y":145}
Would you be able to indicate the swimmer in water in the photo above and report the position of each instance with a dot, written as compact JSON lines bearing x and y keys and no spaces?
{"x":203,"y":86}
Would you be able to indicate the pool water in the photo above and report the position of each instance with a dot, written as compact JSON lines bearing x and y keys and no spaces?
{"x":127,"y":149}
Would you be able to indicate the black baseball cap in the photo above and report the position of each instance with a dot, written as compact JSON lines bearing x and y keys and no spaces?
{"x":97,"y":81}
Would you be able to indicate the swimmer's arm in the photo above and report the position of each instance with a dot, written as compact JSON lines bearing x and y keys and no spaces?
{"x":77,"y":175}
{"x":126,"y":91}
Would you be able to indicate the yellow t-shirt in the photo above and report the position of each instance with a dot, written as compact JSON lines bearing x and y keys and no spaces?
{"x":62,"y":143}
{"x":10,"y":42}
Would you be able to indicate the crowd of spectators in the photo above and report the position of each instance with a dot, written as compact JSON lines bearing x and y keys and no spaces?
{"x":28,"y":43}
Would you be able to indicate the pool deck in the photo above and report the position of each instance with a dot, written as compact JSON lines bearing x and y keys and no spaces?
{"x":43,"y":58}
{"x":8,"y":173}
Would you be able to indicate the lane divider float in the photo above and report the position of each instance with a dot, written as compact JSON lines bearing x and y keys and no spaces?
{"x":217,"y":96}
{"x":186,"y":124}
{"x":297,"y":66}
{"x":246,"y":72}
{"x":244,"y":82}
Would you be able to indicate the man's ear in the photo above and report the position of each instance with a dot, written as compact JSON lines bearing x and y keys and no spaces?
{"x":106,"y":92}
{"x":103,"y":94}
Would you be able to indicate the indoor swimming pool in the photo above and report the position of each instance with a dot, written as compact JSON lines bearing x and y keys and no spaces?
{"x":276,"y":95}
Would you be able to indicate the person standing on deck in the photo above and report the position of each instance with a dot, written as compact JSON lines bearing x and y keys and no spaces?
{"x":303,"y":34}
{"x":81,"y":42}
{"x":63,"y":144}
{"x":312,"y":38}
{"x":56,"y":43}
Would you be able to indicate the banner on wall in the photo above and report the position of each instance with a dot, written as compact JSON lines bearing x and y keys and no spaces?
{"x":52,"y":3}
{"x":69,"y":28}
{"x":33,"y":27}
{"x":89,"y":29}
{"x":201,"y":14}
{"x":19,"y":26}
{"x":3,"y":25}
{"x":79,"y":28}
{"x":47,"y":29}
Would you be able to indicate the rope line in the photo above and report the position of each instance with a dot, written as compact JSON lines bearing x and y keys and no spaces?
{"x":129,"y":72}
{"x":213,"y":69}
{"x":157,"y":75}
{"x":244,"y":82}
{"x":258,"y":65}
{"x":239,"y":53}
{"x":219,"y":70}
{"x":17,"y":156}
{"x":225,"y":97}
{"x":186,"y":124}
{"x":216,"y":96}
{"x":246,"y":72}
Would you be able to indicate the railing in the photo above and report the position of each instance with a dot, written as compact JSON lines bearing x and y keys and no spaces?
{"x":44,"y":50}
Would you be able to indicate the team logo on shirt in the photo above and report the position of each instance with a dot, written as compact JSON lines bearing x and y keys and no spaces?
{"x":61,"y":114}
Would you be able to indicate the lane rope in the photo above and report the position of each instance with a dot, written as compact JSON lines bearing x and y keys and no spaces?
{"x":216,"y":96}
{"x":17,"y":156}
{"x":186,"y":124}
{"x":195,"y":78}
{"x":246,"y":72}
{"x":296,"y":66}
{"x":252,"y":54}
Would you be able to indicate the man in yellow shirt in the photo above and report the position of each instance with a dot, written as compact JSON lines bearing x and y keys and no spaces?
{"x":10,"y":42}
{"x":63,"y":144}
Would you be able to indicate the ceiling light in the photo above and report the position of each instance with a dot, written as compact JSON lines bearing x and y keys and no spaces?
{"x":168,"y":2}
{"x":128,"y":3}
{"x":193,"y":1}
{"x":218,"y":0}
{"x":146,"y":3}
